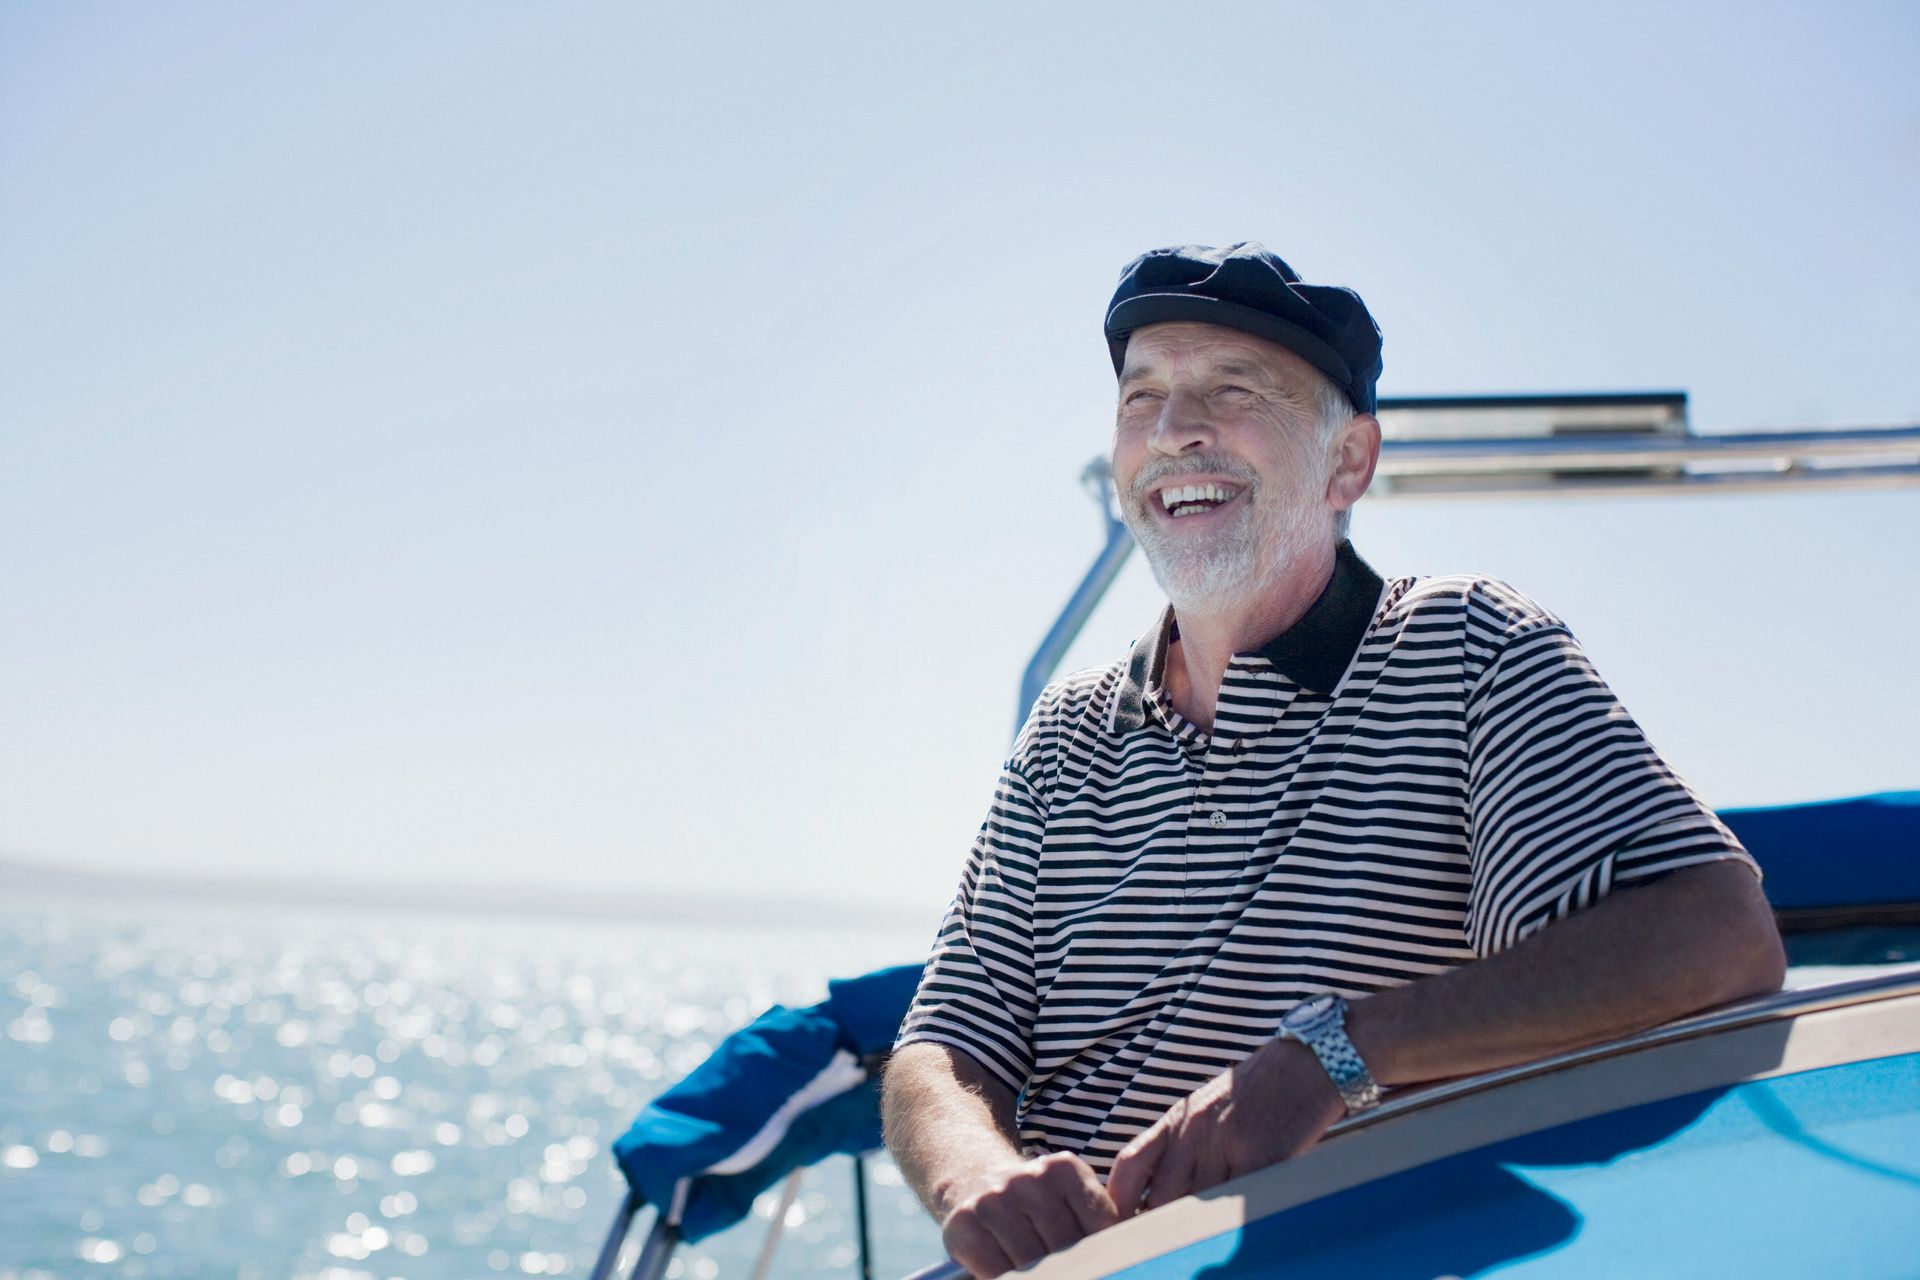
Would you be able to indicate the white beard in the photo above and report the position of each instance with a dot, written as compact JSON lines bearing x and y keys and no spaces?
{"x":1235,"y":562}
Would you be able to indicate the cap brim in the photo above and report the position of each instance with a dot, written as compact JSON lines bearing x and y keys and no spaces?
{"x":1165,"y":308}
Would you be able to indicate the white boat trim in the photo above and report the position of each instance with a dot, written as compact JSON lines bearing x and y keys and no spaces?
{"x":1776,"y":1035}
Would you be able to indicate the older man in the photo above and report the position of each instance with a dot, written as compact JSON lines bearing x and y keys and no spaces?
{"x":1319,"y":833}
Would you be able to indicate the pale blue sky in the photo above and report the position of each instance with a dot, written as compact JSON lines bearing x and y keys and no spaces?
{"x":637,"y":445}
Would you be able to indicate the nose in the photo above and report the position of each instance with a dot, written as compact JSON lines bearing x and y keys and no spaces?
{"x":1182,"y":425}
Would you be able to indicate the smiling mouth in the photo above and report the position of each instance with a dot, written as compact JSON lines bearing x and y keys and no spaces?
{"x":1196,"y":499}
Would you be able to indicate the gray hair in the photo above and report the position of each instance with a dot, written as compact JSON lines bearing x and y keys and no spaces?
{"x":1335,"y":412}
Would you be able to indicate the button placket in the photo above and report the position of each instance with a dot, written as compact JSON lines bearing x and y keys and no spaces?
{"x":1212,"y":819}
{"x":1231,"y":782}
{"x":1219,"y":774}
{"x":1207,"y":816}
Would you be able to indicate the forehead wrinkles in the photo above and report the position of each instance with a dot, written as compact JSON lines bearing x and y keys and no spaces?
{"x":1161,"y":352}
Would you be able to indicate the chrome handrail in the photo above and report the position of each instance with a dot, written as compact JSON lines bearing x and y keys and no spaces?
{"x":1601,"y":463}
{"x":1574,"y":452}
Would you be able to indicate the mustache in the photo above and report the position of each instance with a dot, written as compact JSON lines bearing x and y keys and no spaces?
{"x":1188,"y":464}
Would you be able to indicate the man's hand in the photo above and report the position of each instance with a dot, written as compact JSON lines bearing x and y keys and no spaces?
{"x":1266,"y":1109}
{"x":1032,"y":1209}
{"x":951,"y":1130}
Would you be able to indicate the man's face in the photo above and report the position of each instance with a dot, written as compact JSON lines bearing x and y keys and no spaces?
{"x":1217,"y":461}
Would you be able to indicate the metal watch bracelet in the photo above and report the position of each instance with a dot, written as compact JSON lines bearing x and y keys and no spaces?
{"x":1321,"y":1025}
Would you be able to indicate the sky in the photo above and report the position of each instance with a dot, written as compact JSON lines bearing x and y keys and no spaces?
{"x":635,"y":447}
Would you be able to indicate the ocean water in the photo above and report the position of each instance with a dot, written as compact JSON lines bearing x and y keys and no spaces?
{"x":278,"y":1093}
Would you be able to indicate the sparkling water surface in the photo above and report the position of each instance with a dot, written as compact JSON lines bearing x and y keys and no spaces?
{"x":272,"y":1092}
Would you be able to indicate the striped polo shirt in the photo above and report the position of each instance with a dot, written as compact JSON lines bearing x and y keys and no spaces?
{"x":1417,"y":773}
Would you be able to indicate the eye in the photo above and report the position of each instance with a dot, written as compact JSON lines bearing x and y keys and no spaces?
{"x":1139,"y":395}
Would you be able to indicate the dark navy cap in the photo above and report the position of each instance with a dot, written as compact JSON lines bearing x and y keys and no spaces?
{"x":1246,"y":288}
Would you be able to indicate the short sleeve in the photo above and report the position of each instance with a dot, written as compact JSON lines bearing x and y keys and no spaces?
{"x":1567,"y":799}
{"x":977,"y":993}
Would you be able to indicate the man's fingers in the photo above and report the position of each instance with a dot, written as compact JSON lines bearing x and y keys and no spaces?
{"x":1069,"y":1206}
{"x":1017,"y":1237}
{"x":1173,"y":1176}
{"x":971,"y":1245}
{"x":1211,"y":1169}
{"x":1089,"y":1200}
{"x":1134,"y":1169}
{"x":1001,"y":1240}
{"x":1056,"y":1224}
{"x":1054,"y":1202}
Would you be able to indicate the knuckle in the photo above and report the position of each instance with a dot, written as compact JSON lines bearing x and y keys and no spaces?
{"x":1035,"y":1173}
{"x":1013,"y":1200}
{"x":960,"y":1241}
{"x":991,"y":1208}
{"x":1059,"y":1173}
{"x":961,"y":1228}
{"x":974,"y":1248}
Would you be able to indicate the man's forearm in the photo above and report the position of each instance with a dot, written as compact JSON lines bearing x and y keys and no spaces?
{"x":949,"y":1124}
{"x":1645,"y":955}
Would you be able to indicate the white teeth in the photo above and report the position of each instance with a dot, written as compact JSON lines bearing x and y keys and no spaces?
{"x":1178,"y":495}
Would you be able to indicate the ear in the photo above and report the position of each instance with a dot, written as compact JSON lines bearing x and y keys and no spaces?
{"x":1356,"y":451}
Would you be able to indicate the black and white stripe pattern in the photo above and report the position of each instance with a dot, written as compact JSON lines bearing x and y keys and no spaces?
{"x":1145,"y":901}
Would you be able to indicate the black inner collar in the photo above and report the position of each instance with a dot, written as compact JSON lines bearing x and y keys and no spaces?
{"x":1317,"y":650}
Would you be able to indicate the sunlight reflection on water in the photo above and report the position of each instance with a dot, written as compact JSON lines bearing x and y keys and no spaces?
{"x":282,"y":1093}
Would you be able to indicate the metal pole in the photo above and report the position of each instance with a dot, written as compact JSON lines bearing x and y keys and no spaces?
{"x":1097,"y":479}
{"x":945,"y":1269}
{"x":860,"y":1215}
{"x":788,"y":1190}
{"x":654,"y":1255}
{"x":616,"y":1236}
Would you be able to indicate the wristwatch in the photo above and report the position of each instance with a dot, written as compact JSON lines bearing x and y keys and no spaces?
{"x":1321,"y":1025}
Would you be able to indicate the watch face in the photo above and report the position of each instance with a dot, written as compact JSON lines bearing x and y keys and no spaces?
{"x":1309,"y":1012}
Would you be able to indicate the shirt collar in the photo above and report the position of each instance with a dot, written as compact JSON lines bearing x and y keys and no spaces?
{"x":1315,"y":651}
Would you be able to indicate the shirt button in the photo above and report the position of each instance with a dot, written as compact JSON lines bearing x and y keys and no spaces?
{"x":1217,"y":818}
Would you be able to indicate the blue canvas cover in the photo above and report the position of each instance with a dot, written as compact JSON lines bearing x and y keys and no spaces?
{"x":1860,"y":851}
{"x":791,"y":1088}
